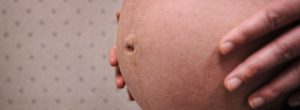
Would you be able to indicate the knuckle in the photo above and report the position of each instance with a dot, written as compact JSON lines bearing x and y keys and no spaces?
{"x":284,"y":51}
{"x":243,"y":37}
{"x":272,"y":19}
{"x":271,"y":93}
{"x":250,"y":71}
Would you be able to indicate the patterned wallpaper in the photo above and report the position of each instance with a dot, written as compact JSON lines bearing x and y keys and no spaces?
{"x":54,"y":55}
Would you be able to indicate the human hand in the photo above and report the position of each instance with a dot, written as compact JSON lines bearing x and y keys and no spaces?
{"x":120,"y":83}
{"x":284,"y":48}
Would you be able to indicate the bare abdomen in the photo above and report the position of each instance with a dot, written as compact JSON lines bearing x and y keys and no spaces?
{"x":167,"y":53}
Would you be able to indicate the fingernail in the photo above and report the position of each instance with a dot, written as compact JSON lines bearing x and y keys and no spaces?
{"x":227,"y":47}
{"x":233,"y":83}
{"x":256,"y":102}
{"x":295,"y":104}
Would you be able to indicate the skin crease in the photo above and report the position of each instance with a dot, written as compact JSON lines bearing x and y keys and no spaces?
{"x":168,"y":64}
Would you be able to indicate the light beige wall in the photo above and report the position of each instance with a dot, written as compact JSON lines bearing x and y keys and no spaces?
{"x":53,"y":55}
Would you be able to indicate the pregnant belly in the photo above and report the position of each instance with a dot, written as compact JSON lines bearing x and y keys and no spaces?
{"x":167,"y":53}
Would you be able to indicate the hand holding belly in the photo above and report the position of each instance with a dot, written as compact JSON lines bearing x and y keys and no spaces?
{"x":285,"y":48}
{"x":166,"y":54}
{"x":113,"y":60}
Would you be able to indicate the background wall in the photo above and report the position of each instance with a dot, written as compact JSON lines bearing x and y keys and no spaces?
{"x":54,"y":55}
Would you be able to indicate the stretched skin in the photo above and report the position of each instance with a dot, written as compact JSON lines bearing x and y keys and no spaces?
{"x":167,"y":53}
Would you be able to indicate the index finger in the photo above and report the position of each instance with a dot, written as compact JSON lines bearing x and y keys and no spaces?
{"x":112,"y":56}
{"x":274,"y":16}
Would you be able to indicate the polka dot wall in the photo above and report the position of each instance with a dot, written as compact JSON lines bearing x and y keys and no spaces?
{"x":54,"y":55}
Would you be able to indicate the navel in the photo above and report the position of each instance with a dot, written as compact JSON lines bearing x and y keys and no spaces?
{"x":130,"y":49}
{"x":130,"y":44}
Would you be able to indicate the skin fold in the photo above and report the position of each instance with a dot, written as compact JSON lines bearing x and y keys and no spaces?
{"x":167,"y":53}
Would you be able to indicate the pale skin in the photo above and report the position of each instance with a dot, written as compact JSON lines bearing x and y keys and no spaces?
{"x":283,"y":49}
{"x":121,"y":83}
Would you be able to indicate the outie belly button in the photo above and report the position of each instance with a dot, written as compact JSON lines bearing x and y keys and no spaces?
{"x":129,"y":44}
{"x":130,"y":49}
